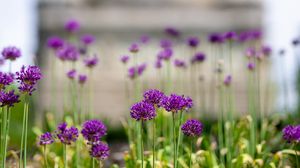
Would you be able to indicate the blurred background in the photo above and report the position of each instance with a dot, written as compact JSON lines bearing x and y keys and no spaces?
{"x":117,"y":23}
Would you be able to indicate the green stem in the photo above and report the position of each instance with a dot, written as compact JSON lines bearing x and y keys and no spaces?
{"x":6,"y":132}
{"x":297,"y":161}
{"x":142,"y":147}
{"x":93,"y":162}
{"x":22,"y":161}
{"x":153,"y":142}
{"x":174,"y":140}
{"x":4,"y":137}
{"x":45,"y":157}
{"x":191,"y":152}
{"x":179,"y":133}
{"x":65,"y":155}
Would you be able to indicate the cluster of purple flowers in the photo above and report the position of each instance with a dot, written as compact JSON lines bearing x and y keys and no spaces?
{"x":136,"y":71}
{"x":291,"y":133}
{"x":193,"y":42}
{"x":55,"y":42}
{"x":142,"y":111}
{"x":134,"y":48}
{"x":179,"y":63}
{"x":93,"y":131}
{"x":11,"y":53}
{"x":124,"y":59}
{"x":66,"y":135}
{"x":28,"y":78}
{"x":175,"y":103}
{"x":192,"y":128}
{"x":8,"y":98}
{"x":46,"y":139}
{"x":198,"y":58}
{"x":91,"y":62}
{"x":68,"y":53}
{"x":6,"y":79}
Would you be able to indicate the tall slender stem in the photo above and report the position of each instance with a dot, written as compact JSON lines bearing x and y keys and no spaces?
{"x":93,"y":162}
{"x":65,"y":155}
{"x":45,"y":157}
{"x":297,"y":161}
{"x":142,"y":146}
{"x":191,"y":152}
{"x":4,"y":137}
{"x":153,"y":142}
{"x":22,"y":161}
{"x":174,"y":140}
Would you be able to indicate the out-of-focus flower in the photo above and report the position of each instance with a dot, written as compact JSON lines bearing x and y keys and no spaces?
{"x":198,"y":57}
{"x":91,"y":62}
{"x":82,"y":79}
{"x":87,"y":39}
{"x":231,"y":35}
{"x":5,"y":79}
{"x":68,"y":53}
{"x":158,"y":64}
{"x":250,"y":52}
{"x":266,"y":50}
{"x":175,"y":103}
{"x":134,"y":48}
{"x":227,"y":80}
{"x":93,"y":131}
{"x":144,"y":39}
{"x":251,"y":66}
{"x":11,"y":53}
{"x":66,"y":135}
{"x":55,"y":42}
{"x":296,"y":42}
{"x":141,"y":68}
{"x":172,"y":31}
{"x":28,"y":78}
{"x":132,"y":73}
{"x":153,"y":96}
{"x":192,"y":128}
{"x":165,"y":54}
{"x":291,"y":133}
{"x":179,"y":63}
{"x":243,"y":36}
{"x":8,"y":98}
{"x":255,"y":34}
{"x":72,"y":74}
{"x":193,"y":42}
{"x":216,"y":38}
{"x":46,"y":139}
{"x":72,"y":26}
{"x":142,"y":111}
{"x":124,"y":59}
{"x":100,"y":151}
{"x":166,"y":43}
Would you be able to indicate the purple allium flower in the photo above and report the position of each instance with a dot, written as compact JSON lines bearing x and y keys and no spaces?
{"x":72,"y":74}
{"x":255,"y":34}
{"x":8,"y":98}
{"x":82,"y":79}
{"x":198,"y":57}
{"x":87,"y":39}
{"x":132,"y":72}
{"x":55,"y":42}
{"x":291,"y":133}
{"x":6,"y":79}
{"x":251,"y":66}
{"x":124,"y":59}
{"x":91,"y":62}
{"x":175,"y":103}
{"x":134,"y":48}
{"x":166,"y":43}
{"x":153,"y":96}
{"x":193,"y":41}
{"x":231,"y":35}
{"x":11,"y":53}
{"x":158,"y":64}
{"x":250,"y":52}
{"x":243,"y":36}
{"x":28,"y":78}
{"x":173,"y":32}
{"x":72,"y":26}
{"x":66,"y":135}
{"x":179,"y":63}
{"x":227,"y":80}
{"x":215,"y":38}
{"x":192,"y":128}
{"x":165,"y":54}
{"x":266,"y":50}
{"x":2,"y":60}
{"x":142,"y":111}
{"x":46,"y":139}
{"x":144,"y":39}
{"x":93,"y":131}
{"x":100,"y":151}
{"x":141,"y":68}
{"x":68,"y":53}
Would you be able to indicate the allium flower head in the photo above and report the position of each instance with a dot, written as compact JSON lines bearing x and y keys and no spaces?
{"x":6,"y":79}
{"x":193,"y":41}
{"x":100,"y":151}
{"x":166,"y":43}
{"x":141,"y":68}
{"x":179,"y":63}
{"x":251,"y":66}
{"x":215,"y":38}
{"x":11,"y":53}
{"x":153,"y":96}
{"x":175,"y":103}
{"x":28,"y":78}
{"x":46,"y":139}
{"x":243,"y":36}
{"x":192,"y":128}
{"x":172,"y":31}
{"x":87,"y":39}
{"x":68,"y":53}
{"x":66,"y":135}
{"x":134,"y":48}
{"x":165,"y":54}
{"x":291,"y":133}
{"x":132,"y":73}
{"x":198,"y":57}
{"x":250,"y":52}
{"x":55,"y":42}
{"x":142,"y":111}
{"x":82,"y":79}
{"x":124,"y":59}
{"x":8,"y":98}
{"x":144,"y":39}
{"x":91,"y":62}
{"x":72,"y":26}
{"x":227,"y":80}
{"x":158,"y":64}
{"x":72,"y":74}
{"x":93,"y":131}
{"x":231,"y":35}
{"x":255,"y":34}
{"x":266,"y":50}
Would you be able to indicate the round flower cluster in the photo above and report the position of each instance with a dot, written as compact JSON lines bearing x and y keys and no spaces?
{"x":124,"y":59}
{"x":11,"y":53}
{"x":198,"y":57}
{"x":192,"y":128}
{"x":87,"y":39}
{"x":46,"y":139}
{"x":165,"y":54}
{"x":8,"y":98}
{"x":66,"y":135}
{"x":134,"y":48}
{"x":136,"y":71}
{"x":179,"y":63}
{"x":193,"y":42}
{"x":172,"y":31}
{"x":175,"y":103}
{"x":153,"y":96}
{"x":68,"y":53}
{"x":82,"y":79}
{"x":291,"y":133}
{"x":55,"y":42}
{"x":28,"y":78}
{"x":72,"y":26}
{"x":100,"y":151}
{"x":142,"y":111}
{"x":6,"y":79}
{"x":91,"y":62}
